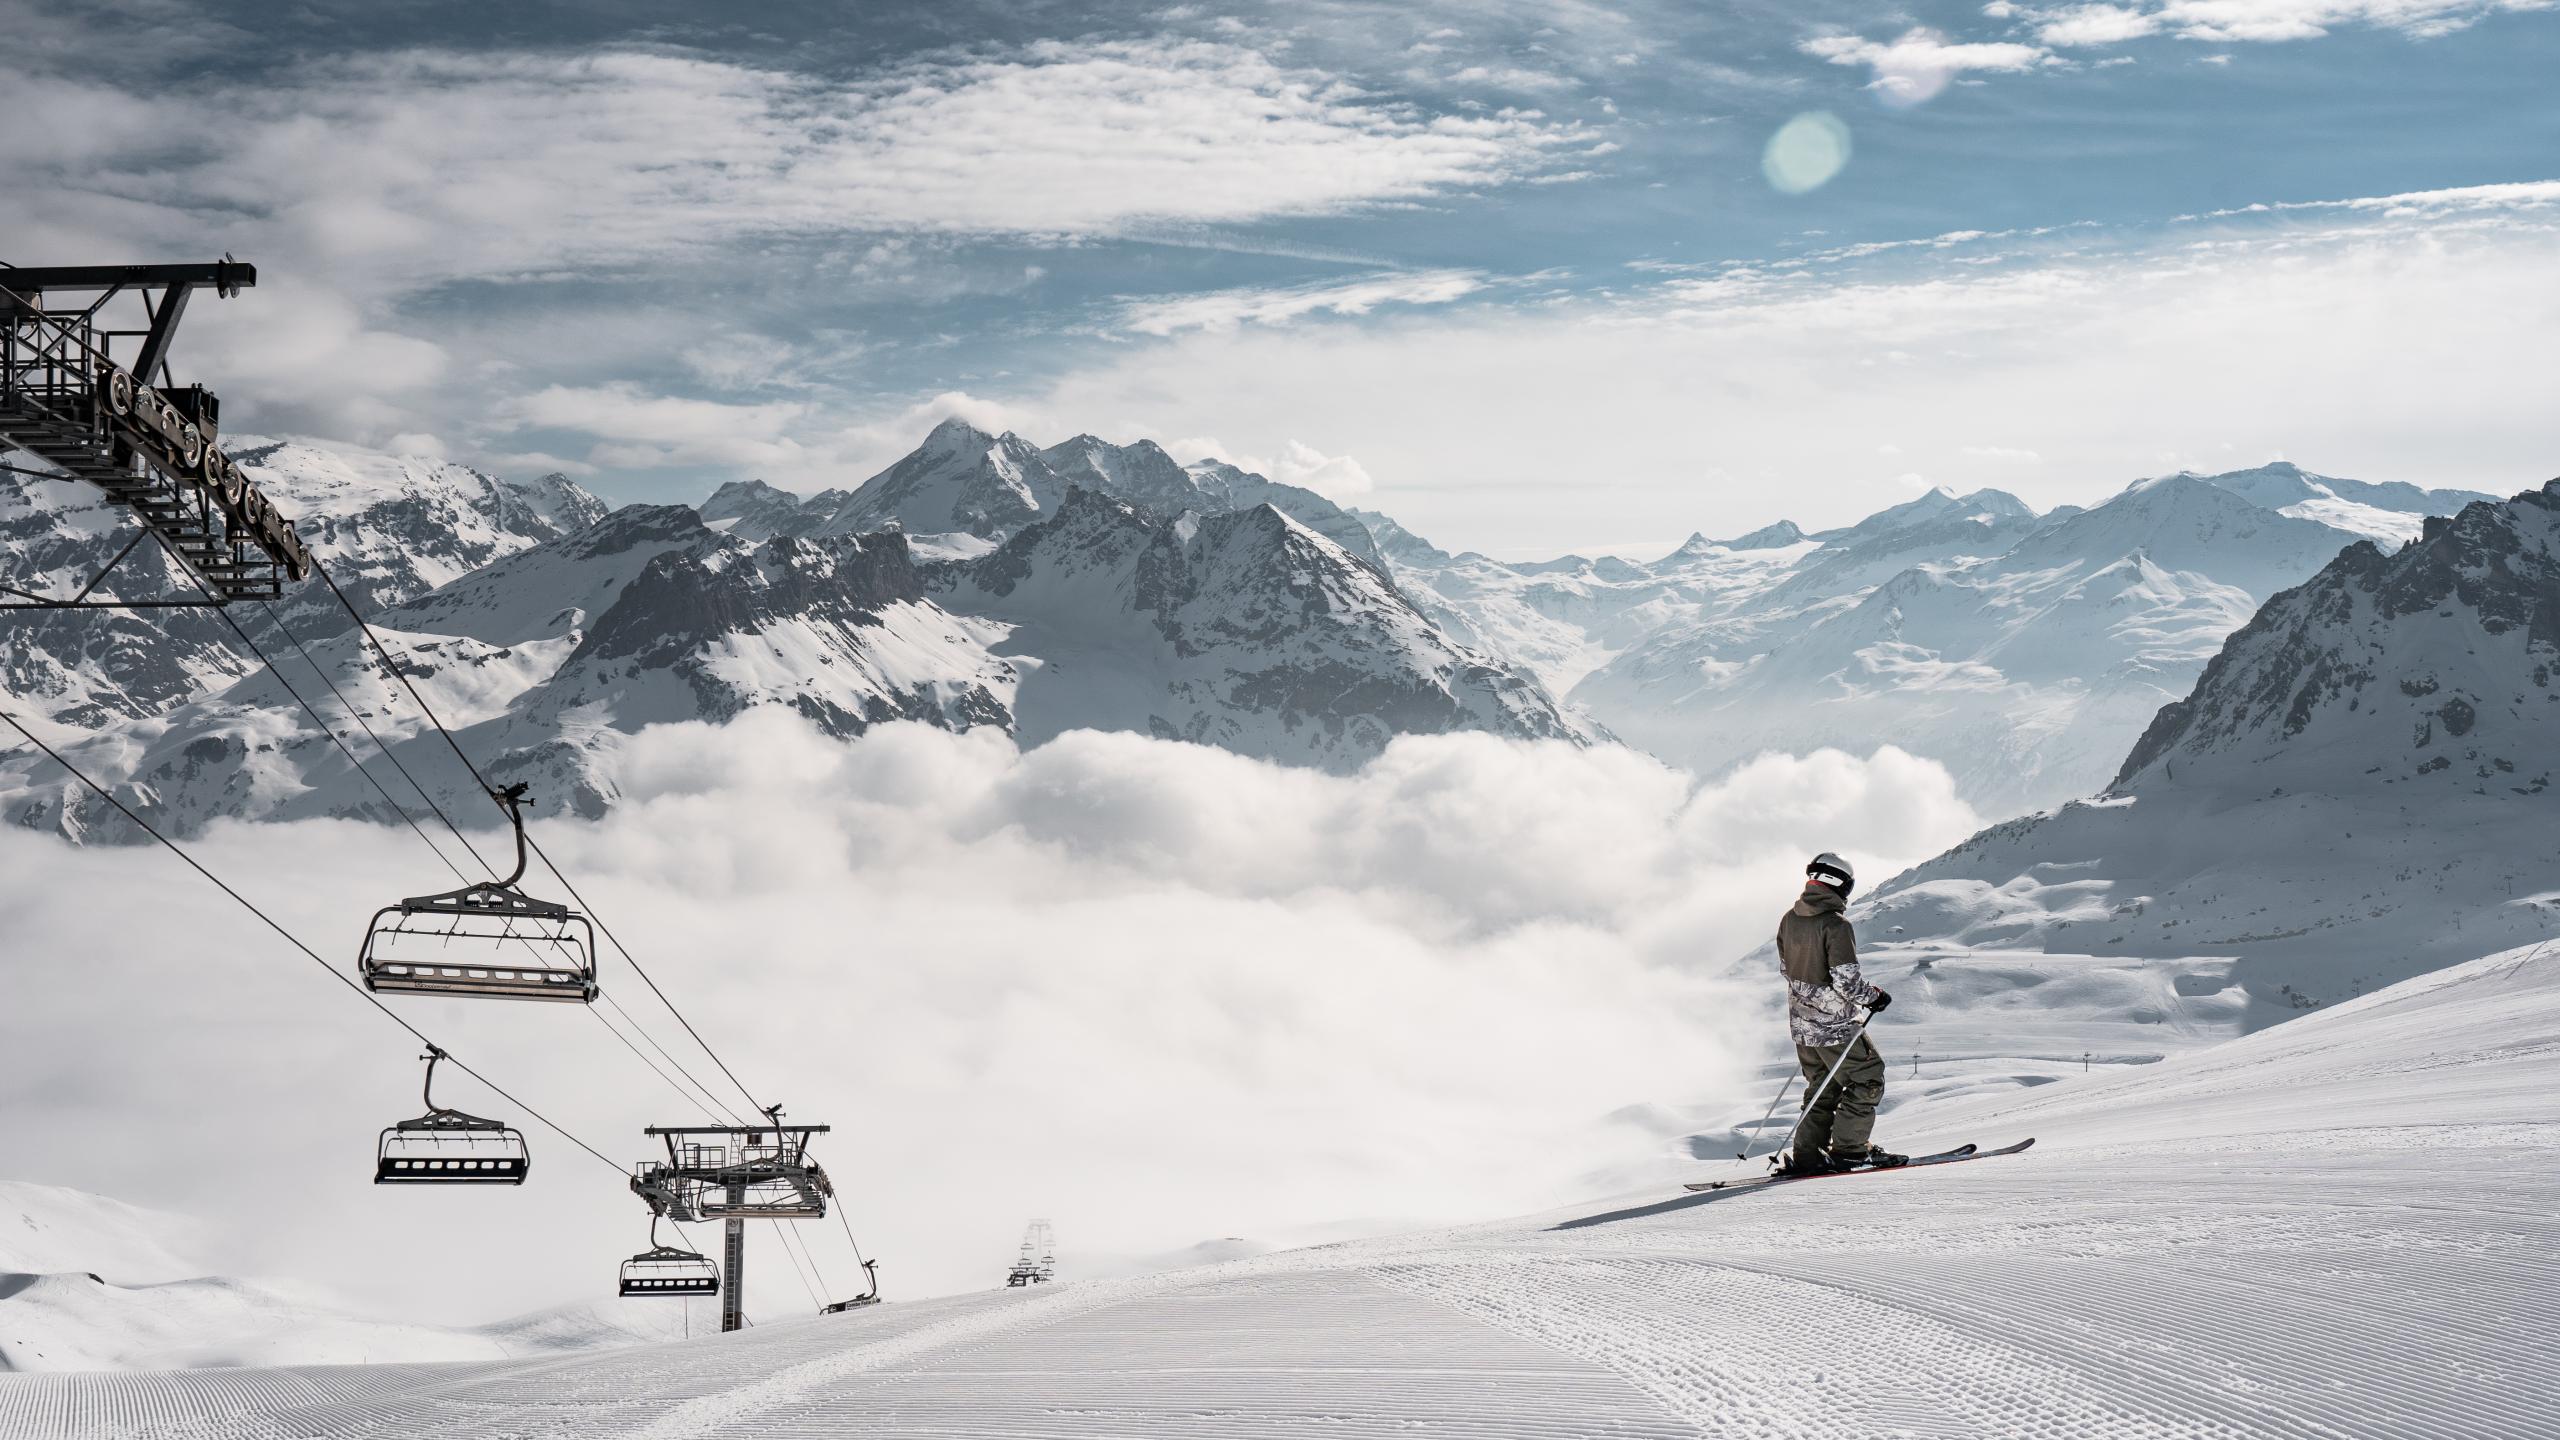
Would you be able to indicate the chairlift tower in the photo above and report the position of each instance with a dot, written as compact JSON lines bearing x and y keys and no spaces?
{"x":98,"y":404}
{"x":737,"y":1173}
{"x":1038,"y":1263}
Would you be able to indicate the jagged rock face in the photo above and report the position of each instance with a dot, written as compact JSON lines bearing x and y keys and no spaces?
{"x":1246,"y":630}
{"x":796,"y":622}
{"x":2358,"y":788}
{"x":389,"y":528}
{"x":1232,"y":489}
{"x":965,"y":482}
{"x":2433,"y":666}
{"x":753,"y":510}
{"x":1141,"y":474}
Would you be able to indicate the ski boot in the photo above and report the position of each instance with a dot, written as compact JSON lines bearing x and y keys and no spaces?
{"x":1874,"y":1157}
{"x":1805,"y":1164}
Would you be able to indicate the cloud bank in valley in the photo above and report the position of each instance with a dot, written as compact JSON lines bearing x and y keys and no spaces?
{"x":1158,"y":993}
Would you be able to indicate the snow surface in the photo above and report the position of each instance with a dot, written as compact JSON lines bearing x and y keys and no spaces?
{"x":2258,"y":1238}
{"x":91,"y":1283}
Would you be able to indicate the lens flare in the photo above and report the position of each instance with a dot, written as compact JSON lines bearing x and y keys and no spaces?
{"x":1806,"y":152}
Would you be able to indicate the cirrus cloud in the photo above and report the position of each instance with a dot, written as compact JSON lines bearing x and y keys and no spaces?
{"x":1278,"y":305}
{"x":1922,"y":61}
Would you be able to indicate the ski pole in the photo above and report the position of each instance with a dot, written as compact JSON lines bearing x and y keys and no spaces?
{"x":1783,"y":1087}
{"x":1815,"y":1095}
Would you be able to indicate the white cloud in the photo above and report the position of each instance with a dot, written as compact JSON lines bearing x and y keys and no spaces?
{"x":2007,"y":454}
{"x":427,"y":164}
{"x":1101,"y":981}
{"x":1336,"y":477}
{"x":2511,"y":197}
{"x":2096,"y":25}
{"x":360,"y":182}
{"x":2403,"y":336}
{"x":2261,"y":20}
{"x":1226,"y":309}
{"x":1922,"y":61}
{"x":638,"y":430}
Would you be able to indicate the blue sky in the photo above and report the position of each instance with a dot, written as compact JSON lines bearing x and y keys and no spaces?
{"x":1521,"y":274}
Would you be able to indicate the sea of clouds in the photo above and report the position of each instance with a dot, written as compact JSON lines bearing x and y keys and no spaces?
{"x":1159,"y":994}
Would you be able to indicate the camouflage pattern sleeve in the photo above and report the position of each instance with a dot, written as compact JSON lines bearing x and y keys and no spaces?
{"x":1841,"y":946}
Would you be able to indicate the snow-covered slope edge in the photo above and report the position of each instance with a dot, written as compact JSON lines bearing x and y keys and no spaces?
{"x":91,"y":1283}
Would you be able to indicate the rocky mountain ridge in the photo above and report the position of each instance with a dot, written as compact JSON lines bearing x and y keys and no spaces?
{"x":2364,"y":767}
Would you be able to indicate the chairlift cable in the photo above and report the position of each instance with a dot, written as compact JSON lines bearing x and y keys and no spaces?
{"x":636,"y":969}
{"x":379,"y":789}
{"x":379,"y":746}
{"x":456,"y":746}
{"x":849,"y":1240}
{"x":706,"y":1110}
{"x":295,"y":941}
{"x":791,"y":1250}
{"x":423,"y":794}
{"x":709,"y":1103}
{"x":820,"y":1276}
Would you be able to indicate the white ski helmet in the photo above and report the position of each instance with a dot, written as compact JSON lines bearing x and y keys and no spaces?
{"x":1833,"y":871}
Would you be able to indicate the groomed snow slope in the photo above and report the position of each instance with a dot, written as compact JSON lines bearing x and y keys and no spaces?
{"x":2340,"y":1227}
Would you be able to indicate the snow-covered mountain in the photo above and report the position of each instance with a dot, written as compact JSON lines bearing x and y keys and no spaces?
{"x":964,"y":490}
{"x":390,"y":529}
{"x":1242,"y":628}
{"x":2023,"y":653}
{"x":2359,"y":786}
{"x":2391,"y":512}
{"x":1245,"y":630}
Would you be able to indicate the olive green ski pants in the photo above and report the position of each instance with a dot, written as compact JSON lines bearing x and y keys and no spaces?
{"x":1842,"y":1119}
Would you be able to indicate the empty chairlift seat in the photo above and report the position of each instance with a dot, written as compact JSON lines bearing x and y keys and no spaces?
{"x":447,"y":1147}
{"x":489,"y":939}
{"x":666,"y":1270}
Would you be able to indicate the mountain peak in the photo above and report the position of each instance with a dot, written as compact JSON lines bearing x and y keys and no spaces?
{"x":956,"y":434}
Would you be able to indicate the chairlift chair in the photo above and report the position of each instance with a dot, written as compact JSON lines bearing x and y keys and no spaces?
{"x":538,"y":950}
{"x":447,"y":1147}
{"x":666,"y":1270}
{"x":870,"y":1268}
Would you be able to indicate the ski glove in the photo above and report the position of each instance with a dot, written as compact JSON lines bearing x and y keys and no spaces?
{"x":1876,"y":1006}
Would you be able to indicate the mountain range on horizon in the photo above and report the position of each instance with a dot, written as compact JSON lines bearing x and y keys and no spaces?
{"x":983,"y":580}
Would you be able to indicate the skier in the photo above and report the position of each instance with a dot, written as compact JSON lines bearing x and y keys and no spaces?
{"x":1818,"y":949}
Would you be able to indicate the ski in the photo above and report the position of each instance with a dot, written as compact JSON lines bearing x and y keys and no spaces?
{"x":1943,"y":1157}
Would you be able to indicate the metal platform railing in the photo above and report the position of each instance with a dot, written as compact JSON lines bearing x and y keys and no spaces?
{"x":64,"y":400}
